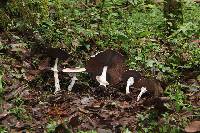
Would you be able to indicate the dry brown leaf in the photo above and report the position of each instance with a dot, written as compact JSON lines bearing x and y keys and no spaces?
{"x":19,"y":47}
{"x":193,"y":127}
{"x":31,"y":74}
{"x":43,"y":64}
{"x":3,"y":114}
{"x":75,"y":121}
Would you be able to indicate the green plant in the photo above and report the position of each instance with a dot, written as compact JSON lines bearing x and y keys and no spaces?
{"x":19,"y":112}
{"x":3,"y":130}
{"x":147,"y":122}
{"x":92,"y":131}
{"x":173,"y":123}
{"x":126,"y":130}
{"x":169,"y":123}
{"x":51,"y":126}
{"x":18,"y":101}
{"x":177,"y":95}
{"x":133,"y":26}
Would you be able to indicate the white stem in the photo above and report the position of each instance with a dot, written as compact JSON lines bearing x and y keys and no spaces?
{"x":143,"y":90}
{"x":73,"y":80}
{"x":55,"y":70}
{"x":105,"y":68}
{"x":102,"y":79}
{"x":130,"y":82}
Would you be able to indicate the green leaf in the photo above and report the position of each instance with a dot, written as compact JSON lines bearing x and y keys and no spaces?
{"x":138,"y":58}
{"x":149,"y":63}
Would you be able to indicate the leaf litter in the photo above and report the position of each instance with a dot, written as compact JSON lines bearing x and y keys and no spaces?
{"x":85,"y":108}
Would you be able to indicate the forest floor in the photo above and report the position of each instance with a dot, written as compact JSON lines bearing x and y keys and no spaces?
{"x":29,"y":104}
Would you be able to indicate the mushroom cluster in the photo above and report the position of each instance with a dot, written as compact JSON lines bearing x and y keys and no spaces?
{"x":108,"y":68}
{"x":55,"y":54}
{"x":135,"y":79}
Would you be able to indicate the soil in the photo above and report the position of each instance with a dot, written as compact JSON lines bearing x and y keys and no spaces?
{"x":87,"y":107}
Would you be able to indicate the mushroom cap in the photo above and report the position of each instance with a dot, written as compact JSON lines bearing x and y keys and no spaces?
{"x":152,"y":85}
{"x":73,"y":70}
{"x":131,"y":73}
{"x":55,"y":53}
{"x":115,"y":62}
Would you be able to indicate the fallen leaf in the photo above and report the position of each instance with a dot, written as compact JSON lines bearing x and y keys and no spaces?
{"x":193,"y":127}
{"x":10,"y":121}
{"x":19,"y":90}
{"x":36,"y":113}
{"x":3,"y":115}
{"x":21,"y":126}
{"x":19,"y":47}
{"x":74,"y":121}
{"x":61,"y":129}
{"x":83,"y":111}
{"x":31,"y":74}
{"x":87,"y":100}
{"x":43,"y":64}
{"x":57,"y":111}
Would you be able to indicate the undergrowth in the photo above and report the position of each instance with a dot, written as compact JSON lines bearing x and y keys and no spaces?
{"x":135,"y":27}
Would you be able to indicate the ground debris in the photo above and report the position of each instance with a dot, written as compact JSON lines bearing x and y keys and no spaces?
{"x":86,"y":107}
{"x":61,"y":129}
{"x":3,"y":115}
{"x":193,"y":127}
{"x":16,"y":92}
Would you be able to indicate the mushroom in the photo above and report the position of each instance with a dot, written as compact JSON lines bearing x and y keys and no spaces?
{"x":55,"y":72}
{"x":72,"y":72}
{"x":106,"y":67}
{"x":149,"y":84}
{"x":129,"y":77}
{"x":56,"y":53}
{"x":135,"y":79}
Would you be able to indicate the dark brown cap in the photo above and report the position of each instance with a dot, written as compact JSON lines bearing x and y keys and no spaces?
{"x":152,"y":85}
{"x":56,"y":53}
{"x":131,"y":73}
{"x":115,"y":62}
